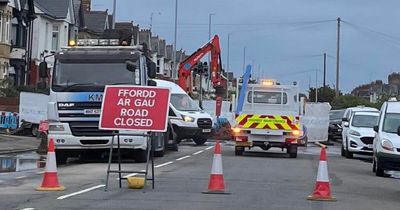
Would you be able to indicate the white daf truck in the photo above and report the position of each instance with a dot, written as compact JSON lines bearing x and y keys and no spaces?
{"x":78,"y":78}
{"x":269,"y":116}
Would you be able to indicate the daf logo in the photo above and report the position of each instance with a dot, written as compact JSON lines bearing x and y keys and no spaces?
{"x":66,"y":104}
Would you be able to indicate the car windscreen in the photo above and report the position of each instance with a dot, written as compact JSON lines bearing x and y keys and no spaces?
{"x":71,"y":76}
{"x":336,"y":114}
{"x":183,"y":102}
{"x":364,"y":121}
{"x":391,"y":122}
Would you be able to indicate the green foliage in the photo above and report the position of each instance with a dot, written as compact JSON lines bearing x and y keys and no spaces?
{"x":8,"y":89}
{"x":326,"y":94}
{"x":346,"y":101}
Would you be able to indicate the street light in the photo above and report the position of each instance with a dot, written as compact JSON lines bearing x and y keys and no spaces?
{"x":151,"y":18}
{"x":174,"y":73}
{"x":209,"y":56}
{"x":227,"y":66}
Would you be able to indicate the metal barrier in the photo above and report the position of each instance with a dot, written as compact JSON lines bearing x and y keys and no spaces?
{"x":8,"y":120}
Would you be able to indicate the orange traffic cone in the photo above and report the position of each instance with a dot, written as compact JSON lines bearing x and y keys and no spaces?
{"x":216,"y":184}
{"x":322,"y":191}
{"x":50,"y":178}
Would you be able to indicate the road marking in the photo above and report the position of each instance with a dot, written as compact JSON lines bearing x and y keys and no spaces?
{"x":208,"y":148}
{"x":20,"y":177}
{"x":41,"y":172}
{"x":164,"y":164}
{"x":28,"y":209}
{"x":196,"y":153}
{"x":129,"y":175}
{"x":184,"y":157}
{"x":80,"y":192}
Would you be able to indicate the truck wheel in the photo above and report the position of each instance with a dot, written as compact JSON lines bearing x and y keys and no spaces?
{"x":379,"y":170}
{"x":239,"y":151}
{"x":292,"y":150}
{"x":200,"y":140}
{"x":61,"y":157}
{"x":140,"y":155}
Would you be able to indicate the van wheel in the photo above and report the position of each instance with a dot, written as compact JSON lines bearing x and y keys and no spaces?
{"x":200,"y":140}
{"x":140,"y":155}
{"x":292,"y":151}
{"x":379,"y":170}
{"x":61,"y":157}
{"x":239,"y":151}
{"x":342,"y":152}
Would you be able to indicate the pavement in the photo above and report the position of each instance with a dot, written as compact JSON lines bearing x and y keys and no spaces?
{"x":17,"y":144}
{"x":257,"y":180}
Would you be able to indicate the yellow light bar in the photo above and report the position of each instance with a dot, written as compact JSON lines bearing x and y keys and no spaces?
{"x":268,"y":82}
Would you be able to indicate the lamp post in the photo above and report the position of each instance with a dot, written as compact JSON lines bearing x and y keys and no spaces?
{"x":227,"y":66}
{"x":174,"y":72}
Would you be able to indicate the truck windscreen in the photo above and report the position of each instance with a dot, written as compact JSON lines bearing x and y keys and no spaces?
{"x":89,"y":76}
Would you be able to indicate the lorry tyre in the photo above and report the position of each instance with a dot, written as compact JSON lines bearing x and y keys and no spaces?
{"x":292,"y":151}
{"x":61,"y":157}
{"x":200,"y":140}
{"x":239,"y":151}
{"x":378,"y":169}
{"x":140,"y":155}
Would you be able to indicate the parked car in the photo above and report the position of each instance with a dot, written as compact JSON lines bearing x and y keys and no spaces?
{"x":348,"y":113}
{"x":360,"y":136}
{"x":335,"y":124}
{"x":386,"y":147}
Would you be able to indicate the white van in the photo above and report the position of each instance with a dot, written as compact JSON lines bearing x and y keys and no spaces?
{"x":386,"y":146}
{"x":187,"y":119}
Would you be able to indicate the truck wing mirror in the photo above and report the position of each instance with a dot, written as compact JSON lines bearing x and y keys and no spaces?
{"x":43,"y":69}
{"x":151,"y":70}
{"x":376,"y":129}
{"x":130,"y":66}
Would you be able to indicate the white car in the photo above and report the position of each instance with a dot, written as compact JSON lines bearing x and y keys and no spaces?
{"x":386,"y":149}
{"x":360,"y":133}
{"x":349,"y":112}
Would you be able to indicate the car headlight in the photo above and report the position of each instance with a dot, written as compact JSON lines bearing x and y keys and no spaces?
{"x":56,"y":128}
{"x":187,"y":118}
{"x":386,"y":144}
{"x":354,"y":133}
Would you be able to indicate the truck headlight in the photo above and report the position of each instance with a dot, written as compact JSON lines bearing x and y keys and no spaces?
{"x":187,"y":118}
{"x":354,"y":133}
{"x":386,"y":144}
{"x":56,"y":128}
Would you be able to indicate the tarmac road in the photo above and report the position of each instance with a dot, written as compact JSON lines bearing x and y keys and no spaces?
{"x":257,"y":180}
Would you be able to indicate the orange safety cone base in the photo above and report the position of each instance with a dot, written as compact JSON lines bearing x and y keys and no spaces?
{"x":318,"y":198}
{"x":216,"y":192}
{"x":59,"y":188}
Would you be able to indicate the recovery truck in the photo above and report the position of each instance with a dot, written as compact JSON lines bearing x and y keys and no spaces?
{"x":267,"y":115}
{"x":78,"y":78}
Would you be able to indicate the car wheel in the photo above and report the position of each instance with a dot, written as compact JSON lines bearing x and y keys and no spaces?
{"x":342,"y":152}
{"x":239,"y":151}
{"x":349,"y":154}
{"x":379,"y":170}
{"x":200,"y":140}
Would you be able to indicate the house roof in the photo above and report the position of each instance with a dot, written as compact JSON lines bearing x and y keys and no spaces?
{"x":95,"y":20}
{"x":55,"y":8}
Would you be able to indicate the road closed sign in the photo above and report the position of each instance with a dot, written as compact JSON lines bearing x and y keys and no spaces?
{"x":135,"y":108}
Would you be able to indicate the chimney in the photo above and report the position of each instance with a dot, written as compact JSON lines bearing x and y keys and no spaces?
{"x":86,"y":4}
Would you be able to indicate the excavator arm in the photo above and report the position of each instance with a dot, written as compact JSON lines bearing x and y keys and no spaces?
{"x":186,"y":66}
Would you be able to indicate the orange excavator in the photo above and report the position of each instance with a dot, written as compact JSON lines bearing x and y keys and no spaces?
{"x":218,"y":80}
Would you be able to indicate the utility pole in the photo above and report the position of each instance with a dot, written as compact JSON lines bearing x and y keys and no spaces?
{"x":337,"y":56}
{"x":324,"y":70}
{"x":174,"y":68}
{"x":114,"y":13}
{"x":227,"y":67}
{"x":316,"y":86}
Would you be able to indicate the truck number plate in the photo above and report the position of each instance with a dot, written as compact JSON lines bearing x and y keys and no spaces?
{"x":91,"y":111}
{"x":206,"y":130}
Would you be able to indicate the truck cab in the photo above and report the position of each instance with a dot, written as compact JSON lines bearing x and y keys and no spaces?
{"x":270,"y":117}
{"x":78,"y":79}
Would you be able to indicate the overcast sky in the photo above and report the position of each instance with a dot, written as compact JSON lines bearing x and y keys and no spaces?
{"x":285,"y":38}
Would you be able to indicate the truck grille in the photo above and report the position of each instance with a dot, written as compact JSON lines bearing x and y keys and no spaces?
{"x":367,"y":140}
{"x":79,"y":105}
{"x":88,"y":129}
{"x":204,"y":123}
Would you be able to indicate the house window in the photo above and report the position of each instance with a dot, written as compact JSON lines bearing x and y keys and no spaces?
{"x":55,"y":38}
{"x":65,"y":35}
{"x":14,"y":35}
{"x":46,"y":37}
{"x":7,"y":31}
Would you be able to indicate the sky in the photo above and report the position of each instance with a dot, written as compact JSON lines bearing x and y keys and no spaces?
{"x":284,"y":40}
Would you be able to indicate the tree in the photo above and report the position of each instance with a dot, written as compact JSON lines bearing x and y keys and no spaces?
{"x":326,"y":94}
{"x":346,"y":101}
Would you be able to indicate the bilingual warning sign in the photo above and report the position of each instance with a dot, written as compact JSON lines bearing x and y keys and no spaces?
{"x":134,"y":108}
